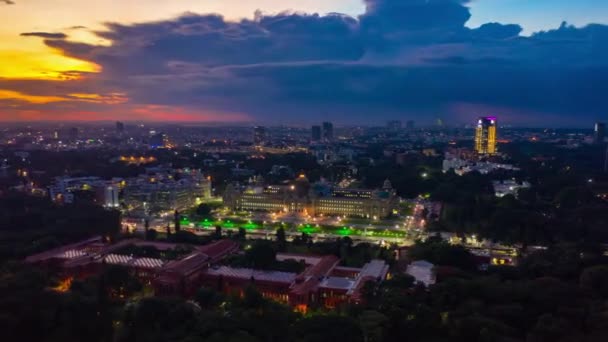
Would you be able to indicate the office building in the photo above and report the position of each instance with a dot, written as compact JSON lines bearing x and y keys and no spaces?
{"x":410,"y":124}
{"x":260,"y":136}
{"x":73,"y":134}
{"x":322,"y":283}
{"x":485,"y":135}
{"x":165,"y":189}
{"x":599,"y":133}
{"x":509,"y":187}
{"x":65,"y":190}
{"x":159,"y":140}
{"x":394,"y":125}
{"x":328,"y":131}
{"x":120,"y":127}
{"x":316,"y":133}
{"x":316,"y":199}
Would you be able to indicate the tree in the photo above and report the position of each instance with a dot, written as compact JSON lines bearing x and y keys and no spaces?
{"x":330,"y":328}
{"x":595,"y":279}
{"x":151,"y":235}
{"x":261,"y":255}
{"x":176,"y":221}
{"x":203,"y":210}
{"x":373,"y":324}
{"x":208,"y":298}
{"x":118,"y":282}
{"x":242,"y":235}
{"x":440,"y":252}
{"x":281,"y":240}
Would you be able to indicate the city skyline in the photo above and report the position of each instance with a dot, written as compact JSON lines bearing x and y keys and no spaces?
{"x":381,"y":60}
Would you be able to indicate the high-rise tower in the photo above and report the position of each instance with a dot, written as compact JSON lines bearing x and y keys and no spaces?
{"x":485,"y":135}
{"x":260,"y":137}
{"x":328,"y":131}
{"x":316,"y":133}
{"x":599,"y":133}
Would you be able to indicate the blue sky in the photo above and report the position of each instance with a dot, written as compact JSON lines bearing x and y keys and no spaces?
{"x":198,"y":60}
{"x":535,"y":15}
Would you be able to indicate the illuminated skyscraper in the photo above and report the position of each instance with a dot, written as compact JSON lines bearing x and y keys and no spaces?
{"x":485,"y":135}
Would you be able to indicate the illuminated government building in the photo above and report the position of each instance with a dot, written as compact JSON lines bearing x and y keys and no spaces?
{"x":485,"y":135}
{"x":315,"y":199}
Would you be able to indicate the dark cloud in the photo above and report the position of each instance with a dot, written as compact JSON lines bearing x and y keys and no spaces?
{"x":411,"y":58}
{"x":7,"y":2}
{"x":46,"y":35}
{"x":497,"y":31}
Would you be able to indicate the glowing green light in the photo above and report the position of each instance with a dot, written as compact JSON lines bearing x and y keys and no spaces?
{"x":344,"y":231}
{"x":251,"y":226}
{"x":206,"y":224}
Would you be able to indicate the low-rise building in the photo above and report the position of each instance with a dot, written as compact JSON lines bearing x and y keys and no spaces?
{"x":162,"y":189}
{"x":105,"y":193}
{"x":422,"y":271}
{"x":320,"y":198}
{"x":509,"y":187}
{"x":323,"y":282}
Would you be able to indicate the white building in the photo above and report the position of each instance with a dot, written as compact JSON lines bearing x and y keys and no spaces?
{"x":508,"y":187}
{"x":462,"y":166}
{"x":422,"y":271}
{"x":106,"y":192}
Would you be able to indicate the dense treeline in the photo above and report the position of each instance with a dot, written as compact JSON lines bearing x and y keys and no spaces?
{"x":29,"y":224}
{"x":557,"y":294}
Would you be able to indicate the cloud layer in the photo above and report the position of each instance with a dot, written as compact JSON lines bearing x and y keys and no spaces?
{"x":46,"y":35}
{"x":401,"y":59}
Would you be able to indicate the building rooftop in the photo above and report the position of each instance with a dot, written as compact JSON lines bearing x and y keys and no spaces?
{"x":308,"y":260}
{"x":259,"y":275}
{"x":126,"y":260}
{"x":338,"y":283}
{"x":63,"y":252}
{"x":219,"y":249}
{"x":191,"y":263}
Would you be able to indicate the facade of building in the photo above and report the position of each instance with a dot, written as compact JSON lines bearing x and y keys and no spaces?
{"x":422,"y":271}
{"x":328,"y":131}
{"x":463,"y":166}
{"x":485,"y":135}
{"x":323,"y":282}
{"x":120,"y":127}
{"x":508,"y":187}
{"x":166,"y":189}
{"x":159,"y":140}
{"x":260,"y":136}
{"x":316,"y":133}
{"x":314,"y":199}
{"x":105,"y":193}
{"x":394,"y":125}
{"x":599,"y":133}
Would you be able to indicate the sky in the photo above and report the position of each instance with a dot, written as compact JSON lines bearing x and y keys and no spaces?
{"x":529,"y":62}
